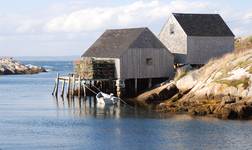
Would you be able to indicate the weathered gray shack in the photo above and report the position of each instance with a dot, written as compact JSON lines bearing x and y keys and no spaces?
{"x":138,"y":55}
{"x":196,"y":38}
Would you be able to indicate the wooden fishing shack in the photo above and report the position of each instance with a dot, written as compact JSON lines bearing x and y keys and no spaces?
{"x":133,"y":59}
{"x":122,"y":61}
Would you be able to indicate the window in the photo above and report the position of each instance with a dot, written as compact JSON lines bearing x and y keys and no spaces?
{"x":149,"y":61}
{"x":172,"y":29}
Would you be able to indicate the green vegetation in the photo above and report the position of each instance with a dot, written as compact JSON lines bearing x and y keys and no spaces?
{"x":235,"y":83}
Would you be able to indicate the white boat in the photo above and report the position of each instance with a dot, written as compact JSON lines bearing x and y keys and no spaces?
{"x":106,"y":99}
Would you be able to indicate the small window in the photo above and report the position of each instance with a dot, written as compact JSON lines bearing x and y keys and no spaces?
{"x":172,"y":29}
{"x":149,"y":61}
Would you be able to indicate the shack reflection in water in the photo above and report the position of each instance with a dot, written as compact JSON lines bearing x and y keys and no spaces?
{"x":88,"y":107}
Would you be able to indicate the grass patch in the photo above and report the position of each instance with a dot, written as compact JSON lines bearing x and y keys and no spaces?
{"x":243,"y":44}
{"x":235,"y":83}
{"x":243,"y":64}
{"x":250,"y":39}
{"x":180,"y":75}
{"x":250,"y":70}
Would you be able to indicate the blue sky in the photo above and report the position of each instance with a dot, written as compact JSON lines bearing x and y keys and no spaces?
{"x":69,"y":27}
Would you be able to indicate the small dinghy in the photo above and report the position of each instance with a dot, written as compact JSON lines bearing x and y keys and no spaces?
{"x":105,"y":99}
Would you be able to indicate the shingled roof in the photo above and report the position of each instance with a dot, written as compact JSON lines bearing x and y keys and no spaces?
{"x":203,"y":24}
{"x":113,"y":43}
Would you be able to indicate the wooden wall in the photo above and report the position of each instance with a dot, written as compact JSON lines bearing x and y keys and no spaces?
{"x":202,"y":49}
{"x":176,"y":42}
{"x":133,"y":63}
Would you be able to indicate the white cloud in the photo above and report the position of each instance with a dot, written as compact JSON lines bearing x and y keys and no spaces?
{"x":75,"y":24}
{"x":82,"y":20}
{"x":248,"y":15}
{"x":135,"y":14}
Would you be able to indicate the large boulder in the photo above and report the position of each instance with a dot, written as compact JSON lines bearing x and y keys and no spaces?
{"x":157,"y":95}
{"x":187,"y":82}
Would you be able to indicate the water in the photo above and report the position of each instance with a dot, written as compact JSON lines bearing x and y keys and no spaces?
{"x":30,"y":118}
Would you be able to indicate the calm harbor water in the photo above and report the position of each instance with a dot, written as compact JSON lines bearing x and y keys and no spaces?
{"x":30,"y":118}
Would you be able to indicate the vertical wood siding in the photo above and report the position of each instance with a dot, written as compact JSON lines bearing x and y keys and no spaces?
{"x":202,"y":49}
{"x":133,"y":63}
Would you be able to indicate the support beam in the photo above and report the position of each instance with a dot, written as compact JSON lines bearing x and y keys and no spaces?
{"x":149,"y":83}
{"x":136,"y":90}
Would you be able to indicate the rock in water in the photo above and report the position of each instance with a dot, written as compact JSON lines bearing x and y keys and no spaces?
{"x":10,"y":66}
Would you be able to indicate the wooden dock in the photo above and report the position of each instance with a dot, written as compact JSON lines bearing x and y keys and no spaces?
{"x":72,"y":85}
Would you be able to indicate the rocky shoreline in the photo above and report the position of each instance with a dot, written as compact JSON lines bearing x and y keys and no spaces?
{"x":9,"y":66}
{"x":222,"y":88}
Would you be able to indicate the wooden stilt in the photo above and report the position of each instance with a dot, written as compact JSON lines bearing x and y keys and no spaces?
{"x":57,"y":85}
{"x":73,"y":89}
{"x":95,"y":85}
{"x":84,"y":91}
{"x":79,"y":87}
{"x":69,"y":87}
{"x":150,"y":83}
{"x":63,"y":88}
{"x":54,"y":88}
{"x":136,"y":86}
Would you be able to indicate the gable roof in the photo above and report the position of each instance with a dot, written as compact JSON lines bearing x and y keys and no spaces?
{"x":203,"y":24}
{"x":113,"y":43}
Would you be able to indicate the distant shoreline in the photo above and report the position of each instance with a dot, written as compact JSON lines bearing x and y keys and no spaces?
{"x":46,"y":58}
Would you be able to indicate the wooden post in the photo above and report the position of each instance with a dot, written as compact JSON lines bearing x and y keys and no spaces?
{"x":110,"y":87}
{"x":84,"y":91}
{"x":114,"y":87}
{"x":120,"y":87}
{"x":73,"y":89}
{"x":57,"y":85}
{"x":79,"y":88}
{"x":136,"y":86}
{"x":150,"y":83}
{"x":69,"y":87}
{"x":54,"y":88}
{"x":63,"y":88}
{"x":101,"y":86}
